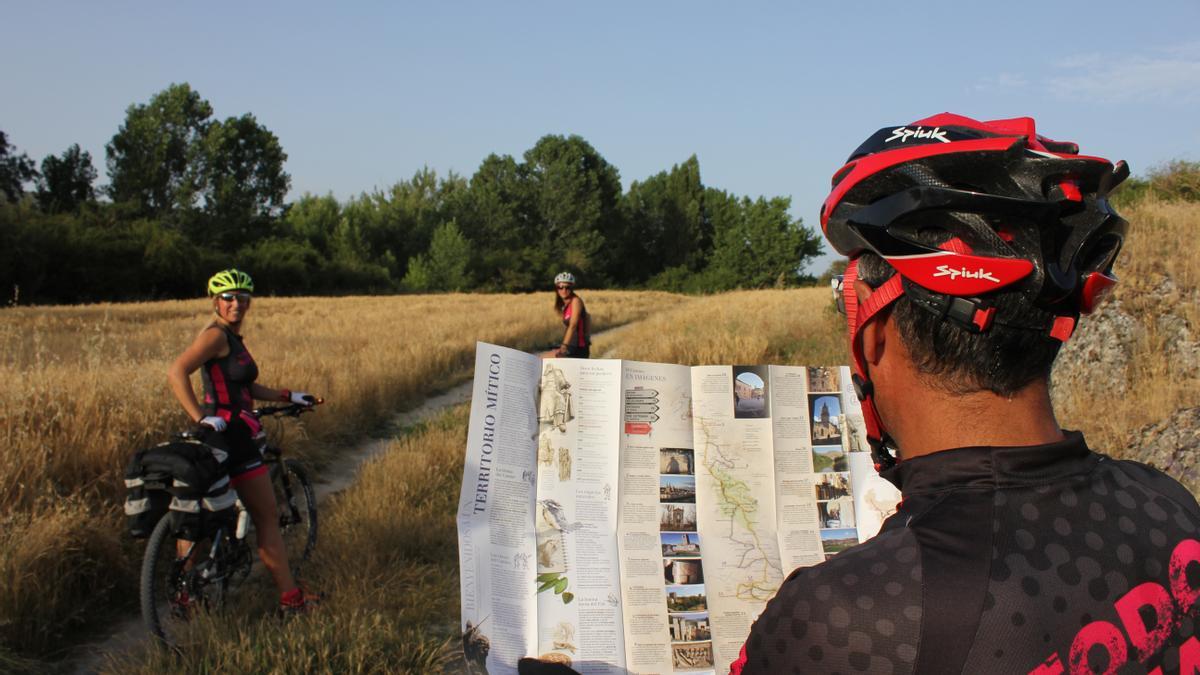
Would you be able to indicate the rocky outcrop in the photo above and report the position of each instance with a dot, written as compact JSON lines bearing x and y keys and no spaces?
{"x":1097,"y":356}
{"x":1172,"y":446}
{"x":1096,"y":359}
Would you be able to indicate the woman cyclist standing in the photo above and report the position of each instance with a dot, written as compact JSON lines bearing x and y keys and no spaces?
{"x":229,"y":374}
{"x":577,"y":341}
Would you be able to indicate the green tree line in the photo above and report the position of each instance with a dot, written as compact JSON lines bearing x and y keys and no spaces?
{"x":189,"y":193}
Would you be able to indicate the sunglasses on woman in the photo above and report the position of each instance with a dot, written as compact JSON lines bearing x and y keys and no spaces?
{"x":563,"y":287}
{"x":230,"y":297}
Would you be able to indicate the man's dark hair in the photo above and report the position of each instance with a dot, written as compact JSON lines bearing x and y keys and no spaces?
{"x":1002,"y":360}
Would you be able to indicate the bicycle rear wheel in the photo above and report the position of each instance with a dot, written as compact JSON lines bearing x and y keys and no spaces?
{"x":169,"y":588}
{"x":297,"y":504}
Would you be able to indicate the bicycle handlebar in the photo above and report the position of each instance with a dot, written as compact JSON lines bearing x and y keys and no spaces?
{"x":198,"y":432}
{"x":291,"y":410}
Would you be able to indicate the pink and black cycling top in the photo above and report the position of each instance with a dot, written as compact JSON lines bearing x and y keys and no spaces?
{"x":227,"y":383}
{"x":583,"y":329}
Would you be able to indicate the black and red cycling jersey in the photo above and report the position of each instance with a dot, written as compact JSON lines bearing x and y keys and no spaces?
{"x":1043,"y":559}
{"x":227,"y":394}
{"x":228,"y":381}
{"x":583,"y":329}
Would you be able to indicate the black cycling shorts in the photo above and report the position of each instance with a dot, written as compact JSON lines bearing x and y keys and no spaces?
{"x":245,"y":457}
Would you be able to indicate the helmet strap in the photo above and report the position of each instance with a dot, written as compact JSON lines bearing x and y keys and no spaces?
{"x":858,"y":315}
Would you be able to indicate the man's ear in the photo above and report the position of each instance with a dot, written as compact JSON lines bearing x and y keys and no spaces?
{"x":872,"y":333}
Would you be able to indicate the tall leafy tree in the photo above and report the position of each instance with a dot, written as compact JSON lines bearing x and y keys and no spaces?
{"x":445,"y":266}
{"x":153,"y":159}
{"x":757,"y":244}
{"x":666,"y":225}
{"x":575,"y":194}
{"x":66,"y":181}
{"x":15,"y":170}
{"x":500,"y":219}
{"x":313,"y":219}
{"x":240,"y":177}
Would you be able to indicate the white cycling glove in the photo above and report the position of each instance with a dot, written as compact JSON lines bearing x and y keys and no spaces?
{"x":301,"y":398}
{"x":217,"y":423}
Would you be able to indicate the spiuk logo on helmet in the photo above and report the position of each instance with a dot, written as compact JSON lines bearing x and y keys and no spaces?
{"x":954,"y":274}
{"x":904,"y":133}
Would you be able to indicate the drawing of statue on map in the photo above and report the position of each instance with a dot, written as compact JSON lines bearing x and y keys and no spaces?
{"x":545,"y":449}
{"x":564,"y":464}
{"x":554,"y":405}
{"x":564,"y":637}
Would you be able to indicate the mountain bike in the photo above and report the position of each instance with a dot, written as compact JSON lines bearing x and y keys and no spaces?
{"x":215,"y":558}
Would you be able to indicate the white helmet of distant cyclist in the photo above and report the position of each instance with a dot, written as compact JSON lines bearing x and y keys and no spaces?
{"x":564,"y":278}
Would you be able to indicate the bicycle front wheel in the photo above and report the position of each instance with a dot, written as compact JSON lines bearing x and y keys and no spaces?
{"x":297,"y":505}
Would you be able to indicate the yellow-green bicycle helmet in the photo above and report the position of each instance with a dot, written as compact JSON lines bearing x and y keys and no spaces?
{"x":231,"y":279}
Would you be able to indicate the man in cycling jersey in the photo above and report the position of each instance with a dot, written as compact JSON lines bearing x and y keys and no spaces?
{"x":974,"y":247}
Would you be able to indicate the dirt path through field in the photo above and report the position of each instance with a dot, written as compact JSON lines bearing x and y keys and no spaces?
{"x":338,"y":475}
{"x":334,"y":477}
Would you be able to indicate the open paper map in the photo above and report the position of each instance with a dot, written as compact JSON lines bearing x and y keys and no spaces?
{"x":619,"y":516}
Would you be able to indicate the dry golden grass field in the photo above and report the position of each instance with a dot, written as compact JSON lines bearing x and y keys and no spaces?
{"x":86,"y":386}
{"x":387,"y":556}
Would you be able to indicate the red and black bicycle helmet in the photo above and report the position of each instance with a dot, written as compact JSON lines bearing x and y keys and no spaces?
{"x":964,"y":210}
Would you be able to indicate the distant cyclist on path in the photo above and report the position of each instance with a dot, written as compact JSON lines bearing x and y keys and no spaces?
{"x":577,"y":341}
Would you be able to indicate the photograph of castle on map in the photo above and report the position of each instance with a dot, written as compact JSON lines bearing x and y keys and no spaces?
{"x":683,"y":571}
{"x":750,"y":392}
{"x":676,"y":460}
{"x":680,"y":544}
{"x":686,"y":598}
{"x":830,"y":458}
{"x":826,"y":414}
{"x":677,"y":489}
{"x":677,"y":517}
{"x":823,"y":378}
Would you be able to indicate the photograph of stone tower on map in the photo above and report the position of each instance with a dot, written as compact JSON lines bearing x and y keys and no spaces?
{"x":826,"y":416}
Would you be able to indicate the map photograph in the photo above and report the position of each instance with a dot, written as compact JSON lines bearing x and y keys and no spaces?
{"x":823,"y":378}
{"x":686,"y":598}
{"x":677,"y":461}
{"x":677,"y":517}
{"x":677,"y":489}
{"x":688,"y":571}
{"x":830,"y":458}
{"x":680,"y":544}
{"x":690,"y":627}
{"x":826,"y":416}
{"x":750,"y":392}
{"x":836,"y":541}
{"x":694,"y":656}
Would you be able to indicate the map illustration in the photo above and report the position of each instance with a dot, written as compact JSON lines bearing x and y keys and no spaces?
{"x":752,"y":552}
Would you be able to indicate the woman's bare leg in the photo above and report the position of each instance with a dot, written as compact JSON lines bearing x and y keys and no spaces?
{"x":259,"y":499}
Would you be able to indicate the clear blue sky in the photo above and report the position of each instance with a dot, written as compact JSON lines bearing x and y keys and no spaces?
{"x":770,"y":96}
